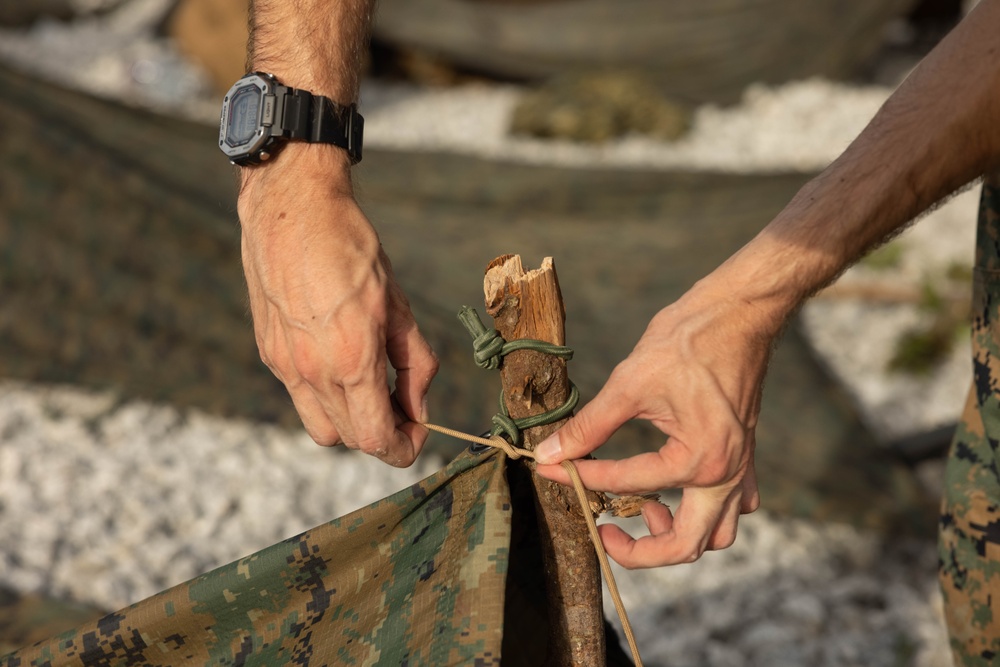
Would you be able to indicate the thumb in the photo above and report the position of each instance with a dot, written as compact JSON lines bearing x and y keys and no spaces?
{"x":588,"y":430}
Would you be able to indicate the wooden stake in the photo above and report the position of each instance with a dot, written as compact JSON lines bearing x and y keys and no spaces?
{"x":529,"y":305}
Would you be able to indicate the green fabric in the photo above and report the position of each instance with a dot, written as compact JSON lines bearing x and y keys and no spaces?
{"x":417,"y":578}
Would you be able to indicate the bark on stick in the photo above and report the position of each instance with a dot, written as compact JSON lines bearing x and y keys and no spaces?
{"x":529,"y":305}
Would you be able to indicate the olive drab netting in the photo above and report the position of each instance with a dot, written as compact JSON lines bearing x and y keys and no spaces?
{"x":417,"y":578}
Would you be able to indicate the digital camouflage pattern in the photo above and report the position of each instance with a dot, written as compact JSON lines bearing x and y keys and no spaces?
{"x":417,"y":578}
{"x":26,"y":618}
{"x":969,"y":542}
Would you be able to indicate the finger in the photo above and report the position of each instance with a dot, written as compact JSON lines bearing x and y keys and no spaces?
{"x":374,"y":427}
{"x":315,"y":419}
{"x":408,"y":351}
{"x":416,"y":432}
{"x":589,"y":429}
{"x":416,"y":365}
{"x":314,"y":415}
{"x":684,"y":542}
{"x":674,"y":465}
{"x":725,"y":530}
{"x":657,"y":516}
{"x":750,"y":496}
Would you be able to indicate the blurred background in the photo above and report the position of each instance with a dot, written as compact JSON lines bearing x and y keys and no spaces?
{"x":637,"y":142}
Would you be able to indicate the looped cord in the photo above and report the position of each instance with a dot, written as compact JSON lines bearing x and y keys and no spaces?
{"x":504,"y":423}
{"x":490,"y":348}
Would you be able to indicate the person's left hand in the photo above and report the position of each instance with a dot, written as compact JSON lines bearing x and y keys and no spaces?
{"x":328,"y":314}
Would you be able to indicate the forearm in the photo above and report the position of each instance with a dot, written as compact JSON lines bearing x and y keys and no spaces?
{"x":937,"y":132}
{"x":317,"y":45}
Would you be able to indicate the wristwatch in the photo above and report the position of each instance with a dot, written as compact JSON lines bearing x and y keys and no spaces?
{"x":259,"y":115}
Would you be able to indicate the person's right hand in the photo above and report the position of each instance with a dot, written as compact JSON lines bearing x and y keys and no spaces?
{"x":696,"y":374}
{"x":326,"y":308}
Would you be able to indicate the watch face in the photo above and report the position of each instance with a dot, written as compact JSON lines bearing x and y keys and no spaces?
{"x":243,"y":132}
{"x":244,"y":115}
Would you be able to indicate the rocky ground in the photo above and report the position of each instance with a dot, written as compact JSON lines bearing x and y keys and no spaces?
{"x":106,"y":500}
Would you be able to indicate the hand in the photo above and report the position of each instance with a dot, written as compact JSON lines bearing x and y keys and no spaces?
{"x":696,"y":374}
{"x":327,"y":311}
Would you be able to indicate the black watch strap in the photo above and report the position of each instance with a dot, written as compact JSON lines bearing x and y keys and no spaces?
{"x":317,"y":119}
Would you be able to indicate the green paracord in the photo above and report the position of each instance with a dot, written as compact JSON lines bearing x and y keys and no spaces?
{"x":490,"y":349}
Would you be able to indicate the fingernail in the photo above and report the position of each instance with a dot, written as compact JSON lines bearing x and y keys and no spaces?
{"x":424,"y":416}
{"x":549,"y":451}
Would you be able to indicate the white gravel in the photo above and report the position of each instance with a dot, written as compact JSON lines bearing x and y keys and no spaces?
{"x":800,"y":126}
{"x":108,"y":502}
{"x":117,"y":55}
{"x":856,"y":338}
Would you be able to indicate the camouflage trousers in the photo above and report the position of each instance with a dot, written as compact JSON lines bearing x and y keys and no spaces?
{"x":969,"y":529}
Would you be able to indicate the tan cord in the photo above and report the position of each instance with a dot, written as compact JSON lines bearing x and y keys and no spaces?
{"x":581,"y":493}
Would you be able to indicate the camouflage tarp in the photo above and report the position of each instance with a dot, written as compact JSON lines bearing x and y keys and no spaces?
{"x":417,"y":578}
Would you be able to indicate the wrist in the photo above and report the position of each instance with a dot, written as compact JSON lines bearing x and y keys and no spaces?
{"x":306,"y":163}
{"x":302,"y":171}
{"x":764,"y":282}
{"x":807,"y":245}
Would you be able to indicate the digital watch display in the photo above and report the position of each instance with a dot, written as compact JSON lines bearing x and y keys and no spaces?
{"x":259,"y":115}
{"x":244,"y":113}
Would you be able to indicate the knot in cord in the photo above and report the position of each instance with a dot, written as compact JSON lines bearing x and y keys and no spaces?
{"x":487,"y":344}
{"x":488,"y":349}
{"x":513,"y":452}
{"x":502,"y":423}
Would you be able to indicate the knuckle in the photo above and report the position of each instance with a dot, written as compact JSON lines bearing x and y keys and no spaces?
{"x":574,"y":431}
{"x":692,"y":555}
{"x":262,"y":342}
{"x":267,"y":352}
{"x":351,"y":371}
{"x":625,"y":379}
{"x":399,"y":461}
{"x":307,"y":364}
{"x":720,"y":459}
{"x":433,"y":364}
{"x":373,"y":446}
{"x":715,"y":469}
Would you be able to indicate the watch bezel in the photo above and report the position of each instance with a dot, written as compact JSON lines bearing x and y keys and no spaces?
{"x":250,"y":151}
